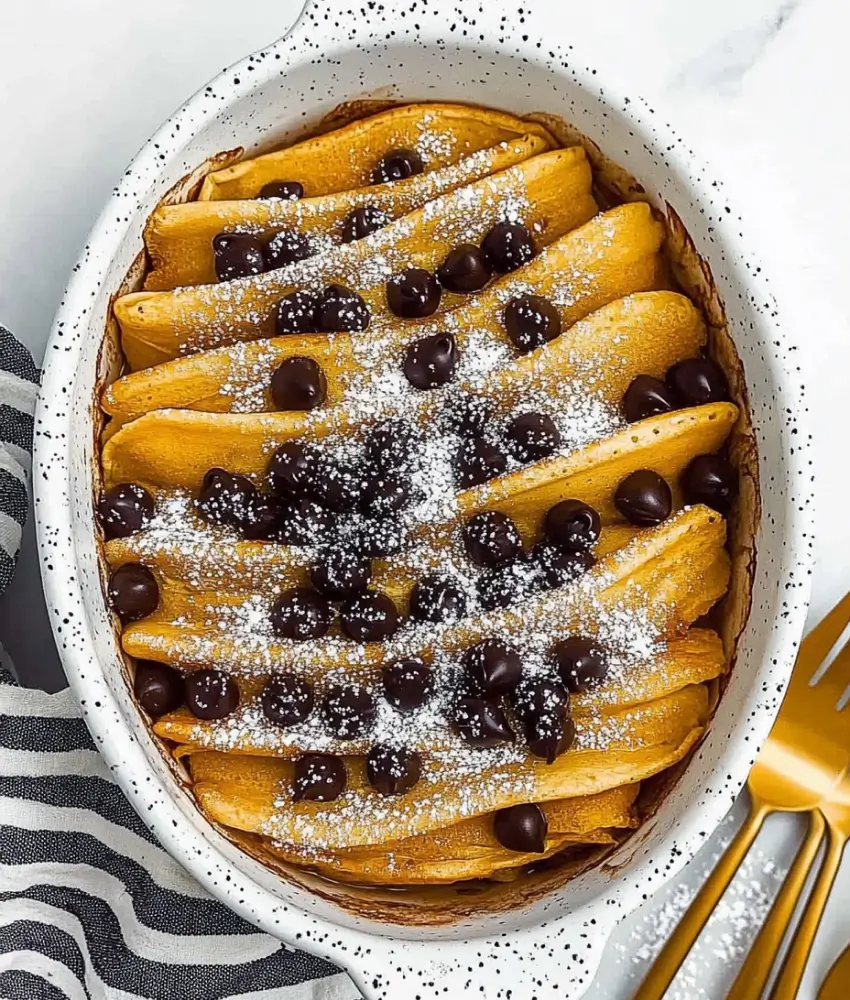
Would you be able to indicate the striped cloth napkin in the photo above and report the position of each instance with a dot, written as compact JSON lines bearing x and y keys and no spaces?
{"x":91,"y":907}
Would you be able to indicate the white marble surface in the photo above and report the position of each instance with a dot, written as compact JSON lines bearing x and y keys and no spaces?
{"x":759,"y":87}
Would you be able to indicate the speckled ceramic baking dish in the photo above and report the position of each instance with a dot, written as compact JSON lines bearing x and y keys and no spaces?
{"x":545,"y":938}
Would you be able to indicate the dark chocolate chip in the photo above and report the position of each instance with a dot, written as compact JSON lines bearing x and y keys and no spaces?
{"x":647,"y":397}
{"x":124,"y":509}
{"x":581,"y":662}
{"x":408,"y":684}
{"x":560,"y":567}
{"x":712,"y":480}
{"x":348,"y":711}
{"x":549,"y":735}
{"x":296,"y":314}
{"x":340,"y":309}
{"x":300,"y":613}
{"x":393,"y":770}
{"x":287,"y":699}
{"x":481,"y":723}
{"x":573,"y":525}
{"x":478,"y":461}
{"x":398,"y":165}
{"x":293,"y":469}
{"x":133,"y":592}
{"x":431,"y":361}
{"x":318,"y":777}
{"x":287,"y":247}
{"x":158,"y":687}
{"x":491,"y":538}
{"x":508,"y":246}
{"x":644,"y":498}
{"x":265,"y":518}
{"x":508,"y":584}
{"x":698,"y":381}
{"x":369,"y":617}
{"x":299,"y":384}
{"x":531,"y":321}
{"x":467,"y":416}
{"x":238,"y":255}
{"x":375,"y":538}
{"x":390,"y":445}
{"x":414,"y":293}
{"x":532,"y":436}
{"x":286,"y":190}
{"x":464,"y":270}
{"x":385,"y":494}
{"x":521,"y":828}
{"x":362,"y":222}
{"x":437,"y":599}
{"x":493,"y":666}
{"x":337,"y":487}
{"x":226,"y":498}
{"x":211,"y":694}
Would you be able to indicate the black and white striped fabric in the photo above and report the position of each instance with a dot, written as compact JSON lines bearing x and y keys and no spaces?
{"x":91,"y":907}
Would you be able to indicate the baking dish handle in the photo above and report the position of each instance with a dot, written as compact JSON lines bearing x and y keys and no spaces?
{"x":554,"y":961}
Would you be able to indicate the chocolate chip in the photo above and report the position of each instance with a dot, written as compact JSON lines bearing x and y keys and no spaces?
{"x":532,"y":436}
{"x":437,"y":599}
{"x":296,"y":314}
{"x":211,"y":694}
{"x":299,"y":384}
{"x":531,"y":321}
{"x":265,"y":518}
{"x":300,"y":613}
{"x":543,"y":706}
{"x":385,"y":494}
{"x":348,"y":711}
{"x":644,"y":498}
{"x":560,"y":567}
{"x":491,"y":538}
{"x":293,"y":469}
{"x":362,"y":222}
{"x":341,"y":574}
{"x":390,"y":445}
{"x":318,"y":777}
{"x":408,"y":684}
{"x":508,"y":246}
{"x":481,"y":723}
{"x":711,"y":480}
{"x":573,"y":525}
{"x":132,"y":592}
{"x":158,"y":687}
{"x":647,"y":397}
{"x":393,"y":770}
{"x":581,"y":662}
{"x":493,"y":666}
{"x":698,"y":381}
{"x":464,"y":270}
{"x":304,"y":523}
{"x":287,"y":190}
{"x":549,"y":735}
{"x":124,"y":509}
{"x":521,"y":828}
{"x":226,"y":498}
{"x":431,"y":361}
{"x":398,"y":165}
{"x":478,"y":461}
{"x":538,"y":696}
{"x":238,"y":255}
{"x":287,"y":699}
{"x":287,"y":247}
{"x":340,"y":309}
{"x":338,"y":487}
{"x":369,"y":617}
{"x":414,"y":293}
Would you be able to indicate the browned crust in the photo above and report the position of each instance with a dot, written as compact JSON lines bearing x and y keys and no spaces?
{"x":444,"y":905}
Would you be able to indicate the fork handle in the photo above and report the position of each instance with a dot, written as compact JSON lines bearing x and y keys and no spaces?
{"x":794,"y":965}
{"x":680,"y":942}
{"x":755,"y":972}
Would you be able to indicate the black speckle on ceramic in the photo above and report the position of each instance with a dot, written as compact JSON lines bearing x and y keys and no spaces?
{"x":495,"y":55}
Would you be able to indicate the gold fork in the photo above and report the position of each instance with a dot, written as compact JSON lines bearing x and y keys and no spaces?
{"x":801,"y":768}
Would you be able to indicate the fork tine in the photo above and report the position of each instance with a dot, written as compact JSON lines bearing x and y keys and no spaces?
{"x":816,"y":646}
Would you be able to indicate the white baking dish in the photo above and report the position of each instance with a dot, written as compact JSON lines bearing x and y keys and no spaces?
{"x":432,"y":51}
